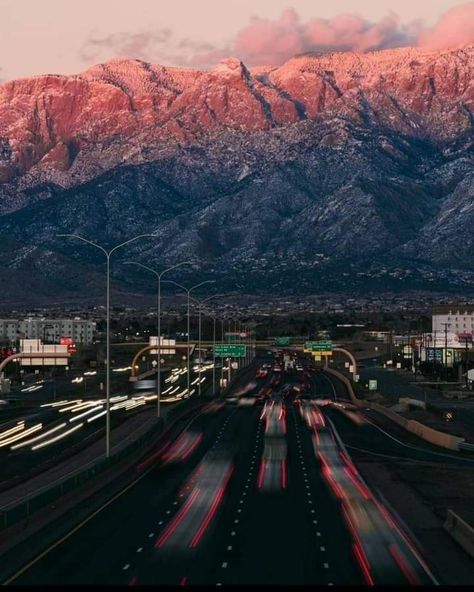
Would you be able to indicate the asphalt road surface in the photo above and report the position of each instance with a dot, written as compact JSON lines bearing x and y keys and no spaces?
{"x":248,"y":494}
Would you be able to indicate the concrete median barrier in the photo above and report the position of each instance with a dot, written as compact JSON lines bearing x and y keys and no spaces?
{"x":412,"y":402}
{"x":392,"y":415}
{"x":347,"y":384}
{"x":434,"y":436}
{"x":461,"y":531}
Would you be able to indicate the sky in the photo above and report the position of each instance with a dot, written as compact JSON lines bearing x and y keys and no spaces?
{"x":62,"y":37}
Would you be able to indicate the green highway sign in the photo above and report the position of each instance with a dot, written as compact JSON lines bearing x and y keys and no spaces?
{"x":225,"y":350}
{"x":325,"y":345}
{"x":282,"y":341}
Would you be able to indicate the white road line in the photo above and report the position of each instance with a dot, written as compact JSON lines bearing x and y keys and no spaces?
{"x":224,"y":565}
{"x":323,"y":548}
{"x":326,"y":565}
{"x":232,"y":533}
{"x":229,"y":548}
{"x":140,"y":549}
{"x":318,"y":534}
{"x":160,"y":522}
{"x":125,"y":567}
{"x":152,"y":534}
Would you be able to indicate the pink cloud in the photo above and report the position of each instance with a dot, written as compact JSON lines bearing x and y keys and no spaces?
{"x":271,"y":42}
{"x":455,"y":27}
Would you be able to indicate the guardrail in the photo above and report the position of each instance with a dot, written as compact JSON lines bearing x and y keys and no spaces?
{"x":461,"y":531}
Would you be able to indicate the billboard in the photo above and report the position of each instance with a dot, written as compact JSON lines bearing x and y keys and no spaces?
{"x":166,"y":351}
{"x":34,"y":346}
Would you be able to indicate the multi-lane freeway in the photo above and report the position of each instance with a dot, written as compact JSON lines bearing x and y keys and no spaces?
{"x":257,"y":489}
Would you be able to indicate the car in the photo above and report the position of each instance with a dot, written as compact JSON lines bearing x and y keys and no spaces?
{"x":261,"y":373}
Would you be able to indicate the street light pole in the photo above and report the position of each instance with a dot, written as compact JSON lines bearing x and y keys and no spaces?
{"x":108,"y":254}
{"x":214,"y":357}
{"x":188,"y":291}
{"x":158,"y":314}
{"x":214,"y":343}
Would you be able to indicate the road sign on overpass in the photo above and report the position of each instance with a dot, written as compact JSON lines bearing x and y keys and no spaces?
{"x":224,"y":350}
{"x":282,"y":341}
{"x":321,"y":348}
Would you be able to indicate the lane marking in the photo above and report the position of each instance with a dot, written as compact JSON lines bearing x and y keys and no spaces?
{"x":140,"y":549}
{"x":229,"y":548}
{"x":126,"y":566}
{"x":224,"y":565}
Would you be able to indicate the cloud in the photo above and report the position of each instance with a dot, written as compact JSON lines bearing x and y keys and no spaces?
{"x":157,"y":46}
{"x":455,"y":27}
{"x":131,"y":45}
{"x":273,"y":41}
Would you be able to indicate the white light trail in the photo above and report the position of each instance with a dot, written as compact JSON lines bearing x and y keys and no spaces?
{"x":57,"y":438}
{"x":85,"y":413}
{"x":21,"y":435}
{"x":36,"y":438}
{"x":20,"y":426}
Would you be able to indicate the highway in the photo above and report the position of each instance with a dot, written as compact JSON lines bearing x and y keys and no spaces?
{"x":256,"y":490}
{"x":36,"y":435}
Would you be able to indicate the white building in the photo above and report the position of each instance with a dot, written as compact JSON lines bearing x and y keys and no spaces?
{"x":456,"y":318}
{"x":48,"y":330}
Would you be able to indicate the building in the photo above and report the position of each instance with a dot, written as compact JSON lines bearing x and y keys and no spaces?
{"x":455,"y":318}
{"x":48,"y":330}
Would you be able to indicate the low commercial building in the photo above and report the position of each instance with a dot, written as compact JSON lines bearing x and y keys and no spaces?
{"x":453,"y":318}
{"x":48,"y":330}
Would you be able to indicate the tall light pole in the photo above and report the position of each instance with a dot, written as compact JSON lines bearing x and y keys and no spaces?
{"x":158,"y":313}
{"x":188,"y":292}
{"x":200,"y":303}
{"x":108,"y":254}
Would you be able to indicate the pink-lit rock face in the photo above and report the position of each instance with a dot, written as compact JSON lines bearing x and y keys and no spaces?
{"x":50,"y":121}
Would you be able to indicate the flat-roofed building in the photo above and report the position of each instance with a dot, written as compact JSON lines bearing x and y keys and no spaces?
{"x":48,"y":330}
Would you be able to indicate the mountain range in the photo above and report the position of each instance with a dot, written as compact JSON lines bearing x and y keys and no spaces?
{"x":333,"y":171}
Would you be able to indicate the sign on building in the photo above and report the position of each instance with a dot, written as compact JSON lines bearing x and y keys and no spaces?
{"x":372,"y":385}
